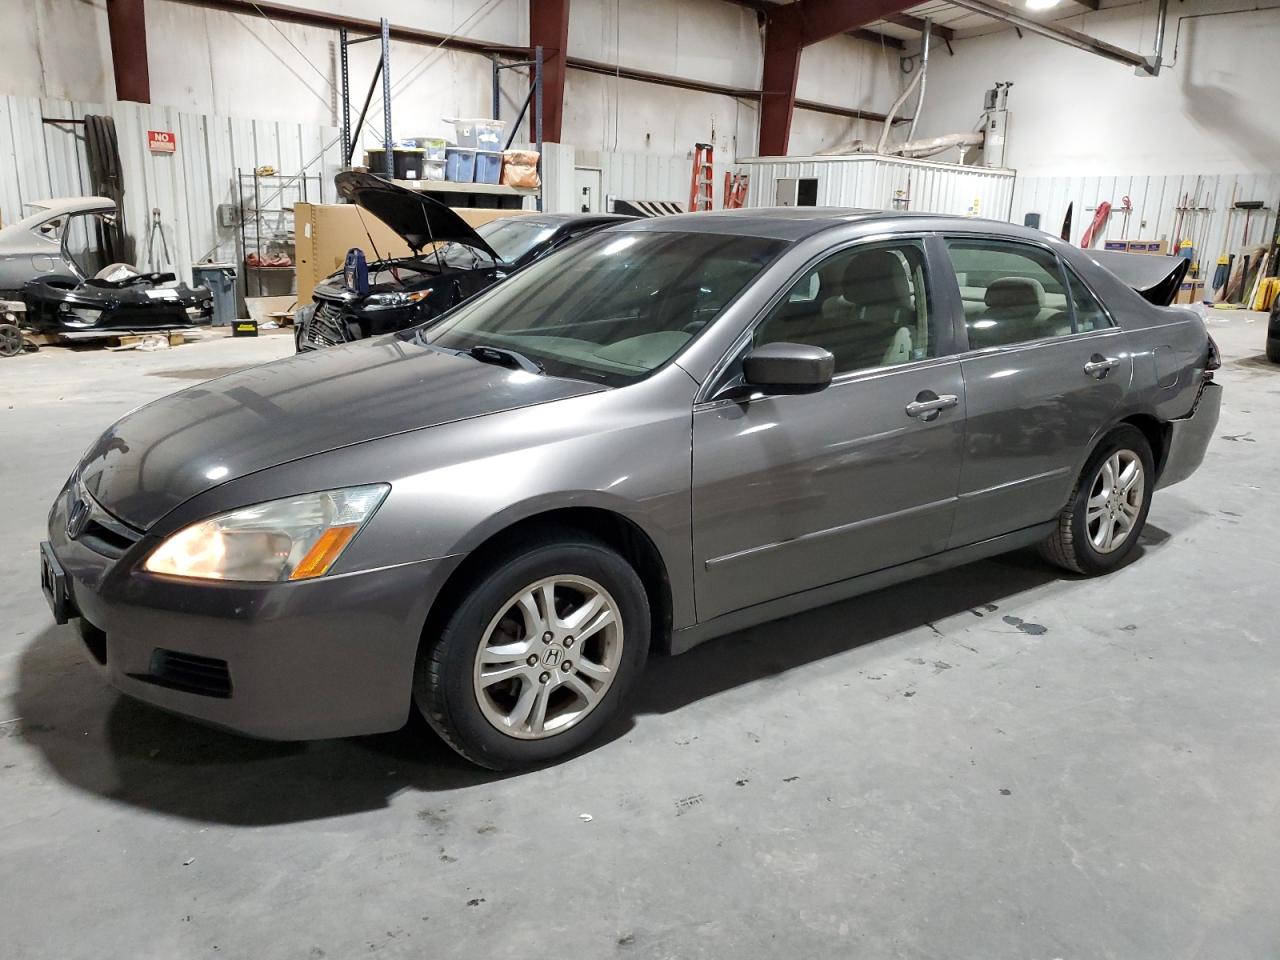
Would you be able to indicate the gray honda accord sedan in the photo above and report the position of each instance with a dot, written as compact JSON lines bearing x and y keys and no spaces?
{"x":676,"y":428}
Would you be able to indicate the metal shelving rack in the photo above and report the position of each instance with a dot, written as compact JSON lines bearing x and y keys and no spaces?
{"x":382,"y":73}
{"x":264,"y":227}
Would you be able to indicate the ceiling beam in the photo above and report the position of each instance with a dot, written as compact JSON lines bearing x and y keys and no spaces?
{"x":1074,"y":38}
{"x":285,"y":13}
{"x":788,"y":29}
{"x":917,"y":24}
{"x":879,"y":39}
{"x":127,"y":26}
{"x":549,"y":29}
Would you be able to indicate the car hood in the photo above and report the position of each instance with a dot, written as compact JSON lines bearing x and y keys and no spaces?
{"x":174,"y":448}
{"x":415,"y":216}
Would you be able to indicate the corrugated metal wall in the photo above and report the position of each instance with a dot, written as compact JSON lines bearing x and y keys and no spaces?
{"x":39,"y":160}
{"x":874,"y":182}
{"x":642,"y":176}
{"x":1155,"y":214}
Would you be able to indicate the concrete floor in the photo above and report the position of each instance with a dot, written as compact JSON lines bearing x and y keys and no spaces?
{"x":998,"y":761}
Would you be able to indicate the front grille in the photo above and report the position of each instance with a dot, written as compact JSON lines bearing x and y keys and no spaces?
{"x":326,"y":328}
{"x":187,"y":672}
{"x":102,"y":533}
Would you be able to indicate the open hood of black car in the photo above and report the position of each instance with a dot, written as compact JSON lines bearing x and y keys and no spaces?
{"x":1156,"y":279}
{"x":415,"y":216}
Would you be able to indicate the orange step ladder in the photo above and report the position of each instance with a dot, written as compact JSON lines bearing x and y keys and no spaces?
{"x":700,"y":187}
{"x":735,"y":190}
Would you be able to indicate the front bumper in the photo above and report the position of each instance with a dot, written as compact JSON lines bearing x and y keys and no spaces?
{"x":1189,"y":437}
{"x":330,"y":657}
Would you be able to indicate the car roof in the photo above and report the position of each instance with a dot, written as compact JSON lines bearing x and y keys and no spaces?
{"x":798,"y":223}
{"x":58,"y":205}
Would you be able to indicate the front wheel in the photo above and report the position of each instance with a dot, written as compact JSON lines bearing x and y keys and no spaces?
{"x":538,"y":656}
{"x":1100,"y":525}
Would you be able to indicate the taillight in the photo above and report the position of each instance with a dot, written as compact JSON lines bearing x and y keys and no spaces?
{"x":1213,"y":361}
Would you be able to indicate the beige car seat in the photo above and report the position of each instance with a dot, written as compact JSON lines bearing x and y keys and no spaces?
{"x":869,"y":322}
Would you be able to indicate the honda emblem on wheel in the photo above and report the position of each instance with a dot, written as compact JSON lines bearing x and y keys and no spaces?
{"x":551,"y":657}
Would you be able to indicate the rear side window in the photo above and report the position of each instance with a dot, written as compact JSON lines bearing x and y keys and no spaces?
{"x":1089,"y":314}
{"x":1012,"y":292}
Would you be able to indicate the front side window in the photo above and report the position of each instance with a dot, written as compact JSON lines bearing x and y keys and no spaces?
{"x":869,"y":306}
{"x":611,"y":308}
{"x":1012,"y":292}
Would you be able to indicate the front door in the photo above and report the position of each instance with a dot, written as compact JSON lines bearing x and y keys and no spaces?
{"x":795,"y":492}
{"x":1044,"y":375}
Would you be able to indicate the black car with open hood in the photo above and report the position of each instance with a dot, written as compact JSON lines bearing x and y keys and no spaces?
{"x":450,"y":262}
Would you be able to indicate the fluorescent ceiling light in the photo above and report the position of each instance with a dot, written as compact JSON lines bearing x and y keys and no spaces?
{"x":1041,"y":4}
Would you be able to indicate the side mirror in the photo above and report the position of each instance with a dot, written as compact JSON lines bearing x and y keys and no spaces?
{"x":788,"y":368}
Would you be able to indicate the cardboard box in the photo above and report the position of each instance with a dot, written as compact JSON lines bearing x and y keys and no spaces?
{"x":1119,"y":246}
{"x":326,"y":231}
{"x":1191,"y":291}
{"x":1149,"y":246}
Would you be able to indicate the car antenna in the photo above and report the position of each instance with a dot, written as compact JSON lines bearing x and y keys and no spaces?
{"x":373,"y":246}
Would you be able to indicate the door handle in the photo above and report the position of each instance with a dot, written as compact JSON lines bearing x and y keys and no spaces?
{"x":927,"y":404}
{"x":1099,"y":366}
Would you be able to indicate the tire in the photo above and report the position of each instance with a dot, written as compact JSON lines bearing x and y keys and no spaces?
{"x":1074,"y":544}
{"x":1273,"y":349}
{"x":495,"y":725}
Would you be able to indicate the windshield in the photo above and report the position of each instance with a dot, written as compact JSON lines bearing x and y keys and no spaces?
{"x":612,"y":308}
{"x":511,"y":238}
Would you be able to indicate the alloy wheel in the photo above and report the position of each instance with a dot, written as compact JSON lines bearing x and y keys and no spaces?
{"x":1115,"y":501}
{"x":548,"y":657}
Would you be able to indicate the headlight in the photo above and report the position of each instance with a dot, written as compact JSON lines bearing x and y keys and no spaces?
{"x":388,"y":301}
{"x":89,"y":315}
{"x":291,"y":539}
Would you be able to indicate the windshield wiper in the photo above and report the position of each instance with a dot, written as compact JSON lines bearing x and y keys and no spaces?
{"x":504,"y":358}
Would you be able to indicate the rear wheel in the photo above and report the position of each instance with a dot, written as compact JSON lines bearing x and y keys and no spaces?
{"x":538,"y":656}
{"x":1100,"y":525}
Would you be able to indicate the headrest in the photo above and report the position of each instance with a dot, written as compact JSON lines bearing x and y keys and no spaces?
{"x":876,"y":276}
{"x":1015,"y":292}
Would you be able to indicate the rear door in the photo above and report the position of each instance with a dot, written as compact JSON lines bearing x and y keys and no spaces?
{"x":795,"y":492}
{"x":1045,"y":372}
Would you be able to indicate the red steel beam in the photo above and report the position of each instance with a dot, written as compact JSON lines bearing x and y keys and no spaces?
{"x":789,"y":28}
{"x":127,"y":25}
{"x":549,"y":29}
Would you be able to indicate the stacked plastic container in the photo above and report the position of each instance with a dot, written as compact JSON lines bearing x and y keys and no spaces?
{"x":478,"y":156}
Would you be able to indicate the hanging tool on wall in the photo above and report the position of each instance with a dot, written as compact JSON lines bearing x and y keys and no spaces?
{"x":1095,"y":228}
{"x":1248,"y":206}
{"x":1126,"y":205}
{"x":700,"y":186}
{"x":157,"y":229}
{"x":1223,"y":273}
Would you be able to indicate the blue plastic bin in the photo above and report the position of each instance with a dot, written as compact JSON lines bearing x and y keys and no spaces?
{"x":488,"y":166}
{"x":460,"y":165}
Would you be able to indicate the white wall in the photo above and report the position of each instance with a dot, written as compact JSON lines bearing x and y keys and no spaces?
{"x":1076,"y":114}
{"x":56,"y":49}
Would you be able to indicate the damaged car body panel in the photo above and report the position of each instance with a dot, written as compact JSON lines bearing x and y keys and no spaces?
{"x":122,"y":300}
{"x":39,"y":245}
{"x":461,"y":261}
